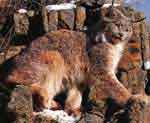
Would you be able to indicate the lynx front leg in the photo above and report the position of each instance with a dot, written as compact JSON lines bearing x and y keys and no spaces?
{"x":48,"y":101}
{"x":73,"y":102}
{"x":110,"y":87}
{"x":45,"y":96}
{"x":118,"y":91}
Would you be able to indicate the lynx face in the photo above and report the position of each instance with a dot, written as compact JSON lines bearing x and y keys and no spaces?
{"x":121,"y":30}
{"x":116,"y":27}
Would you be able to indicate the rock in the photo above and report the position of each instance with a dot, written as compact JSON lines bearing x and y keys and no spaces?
{"x":2,"y":57}
{"x":96,"y":117}
{"x":138,"y":110}
{"x":57,"y":1}
{"x":132,"y":56}
{"x":8,"y":7}
{"x":2,"y":21}
{"x":133,"y":79}
{"x":145,"y":40}
{"x":50,"y":20}
{"x":43,"y":119}
{"x":135,"y":111}
{"x":3,"y":3}
{"x":141,"y":30}
{"x":11,"y":52}
{"x":20,"y":105}
{"x":129,"y":69}
{"x":136,"y":80}
{"x":80,"y":18}
{"x":99,"y":2}
{"x":67,"y":19}
{"x":21,"y":23}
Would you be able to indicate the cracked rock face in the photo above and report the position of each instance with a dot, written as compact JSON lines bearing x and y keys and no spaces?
{"x":20,"y":105}
{"x":137,"y":110}
{"x":88,"y":2}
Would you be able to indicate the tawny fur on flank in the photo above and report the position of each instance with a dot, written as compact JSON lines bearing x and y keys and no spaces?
{"x":48,"y":61}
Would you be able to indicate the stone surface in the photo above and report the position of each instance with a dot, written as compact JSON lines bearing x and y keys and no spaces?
{"x":66,"y":19}
{"x":7,"y":7}
{"x":132,"y":56}
{"x":11,"y":52}
{"x":145,"y":49}
{"x":21,"y":23}
{"x":50,"y":20}
{"x":80,"y":18}
{"x":138,"y":110}
{"x":2,"y":21}
{"x":99,"y":2}
{"x":43,"y":119}
{"x":136,"y":81}
{"x":96,"y":117}
{"x":20,"y":105}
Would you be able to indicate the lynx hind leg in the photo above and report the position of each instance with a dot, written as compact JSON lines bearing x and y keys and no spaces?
{"x":73,"y":102}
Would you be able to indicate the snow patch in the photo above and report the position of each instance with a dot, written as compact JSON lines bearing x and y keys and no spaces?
{"x":60,"y":116}
{"x":108,"y":5}
{"x":64,"y":6}
{"x":22,"y":11}
{"x":147,"y":65}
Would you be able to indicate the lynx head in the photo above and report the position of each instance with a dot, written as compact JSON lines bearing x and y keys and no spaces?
{"x":116,"y":27}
